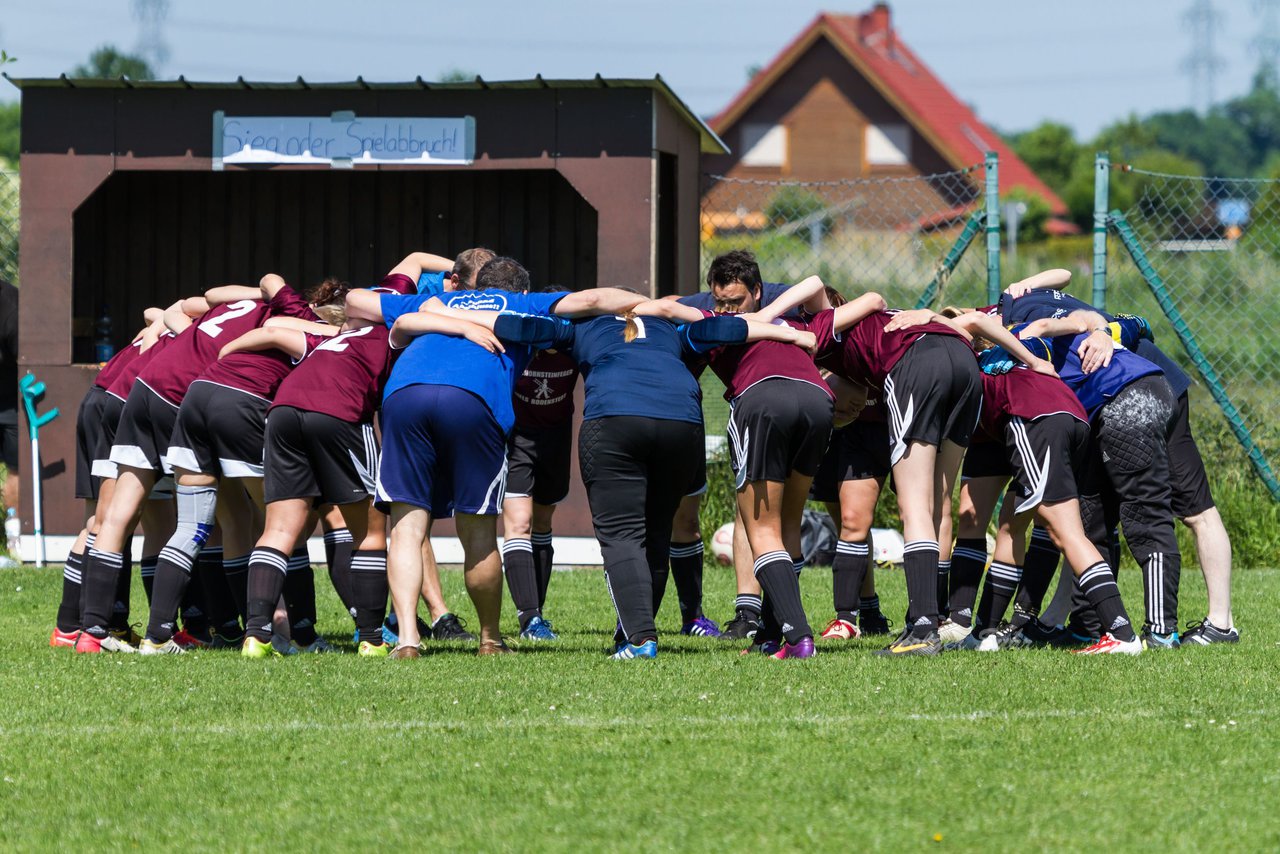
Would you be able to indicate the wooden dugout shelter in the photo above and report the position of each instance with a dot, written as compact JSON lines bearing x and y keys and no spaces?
{"x":130,"y":198}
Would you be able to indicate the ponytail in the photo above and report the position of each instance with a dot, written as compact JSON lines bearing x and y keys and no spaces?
{"x":632,"y":329}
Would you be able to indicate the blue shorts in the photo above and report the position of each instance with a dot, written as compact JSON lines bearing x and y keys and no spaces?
{"x":442,"y":450}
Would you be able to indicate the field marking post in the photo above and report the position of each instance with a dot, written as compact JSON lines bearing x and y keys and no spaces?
{"x":949,"y":261}
{"x":1101,"y":198}
{"x":1206,"y":370}
{"x":992,"y":164}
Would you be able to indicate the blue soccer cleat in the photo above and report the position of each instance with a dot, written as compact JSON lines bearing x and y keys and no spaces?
{"x":701,"y":627}
{"x":538,"y":630}
{"x":628,"y":651}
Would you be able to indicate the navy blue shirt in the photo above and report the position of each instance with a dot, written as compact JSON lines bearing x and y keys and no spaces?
{"x":451,"y":360}
{"x":1046,"y":302}
{"x":644,"y":377}
{"x":769,"y":291}
{"x":1098,"y":388}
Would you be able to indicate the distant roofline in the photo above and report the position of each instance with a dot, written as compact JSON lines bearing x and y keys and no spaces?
{"x":710,"y":141}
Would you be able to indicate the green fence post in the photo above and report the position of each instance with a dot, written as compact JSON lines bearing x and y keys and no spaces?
{"x":1101,"y":194}
{"x":1198,"y":358}
{"x":993,"y":226}
{"x":951,"y":259}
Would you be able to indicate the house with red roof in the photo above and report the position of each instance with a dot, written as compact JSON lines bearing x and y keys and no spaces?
{"x":848,"y":99}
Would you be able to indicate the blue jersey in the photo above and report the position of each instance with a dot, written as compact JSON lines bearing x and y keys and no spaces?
{"x":769,"y":291}
{"x":645,"y":377}
{"x":1095,"y":389}
{"x":1046,"y":302}
{"x":431,"y":284}
{"x":455,"y":361}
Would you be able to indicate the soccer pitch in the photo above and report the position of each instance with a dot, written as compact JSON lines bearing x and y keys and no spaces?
{"x":559,"y":749}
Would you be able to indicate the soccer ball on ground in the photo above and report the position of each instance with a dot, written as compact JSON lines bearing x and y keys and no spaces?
{"x":722,"y":544}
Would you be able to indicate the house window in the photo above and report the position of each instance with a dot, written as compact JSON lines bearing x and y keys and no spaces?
{"x":764,"y":145}
{"x":888,"y":145}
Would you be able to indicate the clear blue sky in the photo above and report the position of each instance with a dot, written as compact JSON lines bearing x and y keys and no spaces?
{"x":1084,"y":62}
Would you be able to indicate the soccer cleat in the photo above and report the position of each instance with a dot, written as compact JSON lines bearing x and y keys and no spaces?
{"x":768,"y":647}
{"x":648,"y":649}
{"x":450,"y":628}
{"x":221,"y":641}
{"x":405,"y":651}
{"x":969,"y":642}
{"x":1197,"y":634}
{"x":373,"y":650}
{"x":952,"y":632}
{"x":538,"y":630}
{"x":1036,"y":633}
{"x":169,"y":647}
{"x":61,"y":638}
{"x":1011,"y":636}
{"x":1108,"y":644}
{"x":743,"y":625}
{"x":254,"y":648}
{"x":873,"y":623}
{"x":909,"y":644}
{"x":497,"y":647}
{"x":1157,"y":640}
{"x":186,"y":640}
{"x":319,"y":645}
{"x":283,"y":645}
{"x":701,"y":627}
{"x":802,"y":648}
{"x":128,"y":635}
{"x":839,"y":629}
{"x":90,"y":644}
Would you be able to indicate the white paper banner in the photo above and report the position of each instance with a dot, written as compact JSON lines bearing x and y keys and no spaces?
{"x":342,"y":140}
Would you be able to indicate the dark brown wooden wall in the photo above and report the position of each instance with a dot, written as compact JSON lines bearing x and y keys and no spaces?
{"x":147,"y":238}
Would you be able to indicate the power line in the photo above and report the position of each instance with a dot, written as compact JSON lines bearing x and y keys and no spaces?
{"x":1202,"y":64}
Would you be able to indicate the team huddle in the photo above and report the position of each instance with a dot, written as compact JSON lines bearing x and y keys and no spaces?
{"x":239,"y":420}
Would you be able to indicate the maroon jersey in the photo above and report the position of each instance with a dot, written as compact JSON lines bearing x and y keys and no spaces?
{"x":341,"y":376}
{"x":397,"y":283}
{"x":198,"y":345}
{"x":117,"y":363}
{"x":122,"y":382}
{"x":740,"y":366}
{"x":864,"y":353}
{"x":1025,"y":394}
{"x":257,"y":372}
{"x":543,"y":395}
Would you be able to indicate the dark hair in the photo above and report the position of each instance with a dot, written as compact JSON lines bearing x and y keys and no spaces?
{"x":555,"y":289}
{"x":834,"y":297}
{"x":469,"y":261}
{"x":331,"y":290}
{"x":502,"y":274}
{"x":736,"y":266}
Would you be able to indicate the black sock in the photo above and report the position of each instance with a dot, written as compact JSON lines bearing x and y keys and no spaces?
{"x":522,"y":579}
{"x":848,"y":569}
{"x":869,"y":605}
{"x":338,"y":546}
{"x":968,"y":559}
{"x":1002,"y":581}
{"x":920,"y":565}
{"x":68,"y":619}
{"x":236,"y":571}
{"x":369,"y":592}
{"x":686,"y":570}
{"x":172,"y":578}
{"x":120,"y":607}
{"x":943,"y":592}
{"x":267,"y":569}
{"x":1099,"y":587}
{"x":147,"y":572}
{"x":211,"y":574}
{"x":1038,"y":571}
{"x":300,"y":597}
{"x":752,"y":604}
{"x":777,"y":576}
{"x":98,"y":590}
{"x":659,"y":574}
{"x":543,"y":554}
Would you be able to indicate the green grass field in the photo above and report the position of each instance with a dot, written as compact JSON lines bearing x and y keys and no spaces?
{"x":560,"y":749}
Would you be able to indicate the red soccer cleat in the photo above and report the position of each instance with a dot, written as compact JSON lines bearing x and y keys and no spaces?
{"x":840,"y":630}
{"x":186,"y":640}
{"x":61,"y":638}
{"x":88,"y":643}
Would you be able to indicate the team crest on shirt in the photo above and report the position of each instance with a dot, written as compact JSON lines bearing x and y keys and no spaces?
{"x":477,"y":300}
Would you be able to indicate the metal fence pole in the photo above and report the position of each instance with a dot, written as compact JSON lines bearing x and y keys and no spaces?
{"x":992,"y":164}
{"x":1101,"y":192}
{"x":1198,"y":358}
{"x":948,"y":264}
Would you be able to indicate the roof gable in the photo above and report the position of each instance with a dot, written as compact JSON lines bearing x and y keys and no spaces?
{"x":873,"y":48}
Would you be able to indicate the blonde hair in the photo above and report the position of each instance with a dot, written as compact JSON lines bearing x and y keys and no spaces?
{"x":334,"y":315}
{"x":632,"y":330}
{"x":979,"y":342}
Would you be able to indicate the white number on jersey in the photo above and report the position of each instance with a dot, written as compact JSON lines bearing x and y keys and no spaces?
{"x":213,"y":326}
{"x":338,"y":343}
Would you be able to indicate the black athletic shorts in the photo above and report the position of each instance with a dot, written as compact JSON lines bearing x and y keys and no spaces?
{"x":933,"y":393}
{"x":1188,"y":479}
{"x":985,"y":459}
{"x":111,"y":409}
{"x":538,"y":462}
{"x":220,"y":431}
{"x":316,"y":456}
{"x":89,"y":437}
{"x":776,"y":427}
{"x":859,"y":451}
{"x":142,"y":438}
{"x":9,"y":446}
{"x":1045,"y":455}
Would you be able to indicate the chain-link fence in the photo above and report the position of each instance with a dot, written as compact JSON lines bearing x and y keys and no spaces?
{"x":890,"y":235}
{"x":1200,"y":257}
{"x":9,"y":226}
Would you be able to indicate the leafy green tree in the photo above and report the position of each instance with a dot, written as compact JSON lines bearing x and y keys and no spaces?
{"x":1257,"y":115}
{"x":109,"y":61}
{"x":1050,"y":149}
{"x":793,"y":204}
{"x":457,"y":75}
{"x":1031,"y":223}
{"x":10,"y":132}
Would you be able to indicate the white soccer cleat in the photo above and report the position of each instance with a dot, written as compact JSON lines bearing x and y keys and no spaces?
{"x":1108,"y":644}
{"x":169,"y":647}
{"x":951,"y":632}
